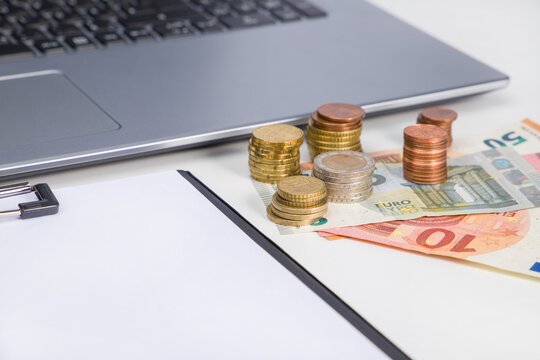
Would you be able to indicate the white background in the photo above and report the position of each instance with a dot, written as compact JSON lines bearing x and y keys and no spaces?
{"x":432,"y":308}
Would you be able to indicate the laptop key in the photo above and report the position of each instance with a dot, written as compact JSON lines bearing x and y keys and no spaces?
{"x":209,"y":26}
{"x":3,"y":40}
{"x":32,"y":34}
{"x":270,"y":4}
{"x":65,"y":30}
{"x":138,"y":33}
{"x":49,"y":46}
{"x":109,"y":38}
{"x":306,"y":8}
{"x":79,"y":42}
{"x":14,"y":50}
{"x":219,"y":9}
{"x":245,"y":6}
{"x":286,"y":14}
{"x":236,"y":22}
{"x":175,"y":31}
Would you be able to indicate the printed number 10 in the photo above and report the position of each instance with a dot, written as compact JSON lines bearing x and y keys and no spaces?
{"x":448,"y":237}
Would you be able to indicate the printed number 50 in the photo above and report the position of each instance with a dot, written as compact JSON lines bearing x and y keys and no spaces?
{"x":510,"y":137}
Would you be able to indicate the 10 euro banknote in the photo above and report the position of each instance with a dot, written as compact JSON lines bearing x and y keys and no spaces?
{"x":508,"y":240}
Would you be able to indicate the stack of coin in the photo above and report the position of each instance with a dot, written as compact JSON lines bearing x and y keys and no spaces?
{"x":424,"y":154}
{"x":439,"y":116}
{"x":274,"y":152}
{"x":335,"y":126}
{"x":298,"y":201}
{"x":347,"y":174}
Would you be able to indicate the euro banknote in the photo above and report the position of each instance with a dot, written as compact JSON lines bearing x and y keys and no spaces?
{"x":490,"y":181}
{"x":506,"y":240}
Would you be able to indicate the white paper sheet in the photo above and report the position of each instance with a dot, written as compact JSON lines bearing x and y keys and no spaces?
{"x":147,"y":268}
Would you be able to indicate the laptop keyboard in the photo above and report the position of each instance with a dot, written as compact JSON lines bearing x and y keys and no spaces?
{"x":42,"y":27}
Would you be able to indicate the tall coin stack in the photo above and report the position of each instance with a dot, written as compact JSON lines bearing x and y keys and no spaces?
{"x":348,"y":175}
{"x":424,"y":154}
{"x":439,"y":116}
{"x":298,"y":201}
{"x":335,"y":126}
{"x":274,"y":152}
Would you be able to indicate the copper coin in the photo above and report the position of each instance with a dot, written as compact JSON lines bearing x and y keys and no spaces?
{"x":437,"y":115}
{"x":333,"y":126}
{"x":341,"y":112}
{"x":426,"y":134}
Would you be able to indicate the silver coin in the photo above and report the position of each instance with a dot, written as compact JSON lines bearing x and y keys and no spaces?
{"x":343,"y":163}
{"x":343,"y":180}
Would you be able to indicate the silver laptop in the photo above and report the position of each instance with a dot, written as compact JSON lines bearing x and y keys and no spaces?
{"x":85,"y":81}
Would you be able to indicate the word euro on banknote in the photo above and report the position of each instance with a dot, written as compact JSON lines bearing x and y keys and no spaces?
{"x":491,"y":181}
{"x":509,"y":240}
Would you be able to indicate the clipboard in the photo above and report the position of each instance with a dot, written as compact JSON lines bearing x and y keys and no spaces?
{"x":297,"y":270}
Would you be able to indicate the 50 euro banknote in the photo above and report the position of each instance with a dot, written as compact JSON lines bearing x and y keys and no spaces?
{"x":506,"y":240}
{"x":490,"y":181}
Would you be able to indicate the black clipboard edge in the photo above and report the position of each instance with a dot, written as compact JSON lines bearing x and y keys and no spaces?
{"x":298,"y":270}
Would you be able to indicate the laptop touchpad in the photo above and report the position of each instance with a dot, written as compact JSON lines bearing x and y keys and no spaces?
{"x":47,"y":106}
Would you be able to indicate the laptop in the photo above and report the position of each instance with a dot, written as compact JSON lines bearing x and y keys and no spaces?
{"x":87,"y":81}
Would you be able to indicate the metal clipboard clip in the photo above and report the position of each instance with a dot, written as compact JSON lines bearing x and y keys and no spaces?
{"x":45,"y":205}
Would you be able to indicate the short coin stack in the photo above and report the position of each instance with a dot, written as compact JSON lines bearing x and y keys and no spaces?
{"x":274,"y":152}
{"x":439,"y":116}
{"x":348,"y":175}
{"x":424,"y":154}
{"x":335,"y":126}
{"x":298,"y":201}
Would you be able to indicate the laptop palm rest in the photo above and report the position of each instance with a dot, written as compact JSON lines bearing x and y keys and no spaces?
{"x":45,"y":106}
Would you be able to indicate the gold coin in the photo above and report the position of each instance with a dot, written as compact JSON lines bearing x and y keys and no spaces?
{"x":275,"y":156}
{"x":310,"y":203}
{"x":317,"y":138}
{"x":271,"y":179}
{"x":277,"y":204}
{"x":316,"y":130}
{"x":261,"y":172}
{"x":276,"y":147}
{"x":278,"y":134}
{"x":280,"y":221}
{"x":267,"y":167}
{"x":289,"y":216}
{"x":311,"y":133}
{"x":272,"y":161}
{"x":268,"y":151}
{"x":301,"y":187}
{"x":334,"y":144}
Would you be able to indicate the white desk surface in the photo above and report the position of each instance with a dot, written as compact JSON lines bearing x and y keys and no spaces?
{"x":455,"y":309}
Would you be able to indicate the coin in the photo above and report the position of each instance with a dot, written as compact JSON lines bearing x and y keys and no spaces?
{"x":310,"y":203}
{"x":278,"y":134}
{"x":341,"y":112}
{"x":270,"y":167}
{"x":348,"y":175}
{"x":424,"y":154}
{"x":274,"y":161}
{"x":347,"y":163}
{"x":438,"y":116}
{"x":271,"y":179}
{"x":290,"y":216}
{"x":424,"y":134}
{"x":285,"y":222}
{"x":300,"y":187}
{"x":327,"y":125}
{"x":278,"y":203}
{"x":315,"y":130}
